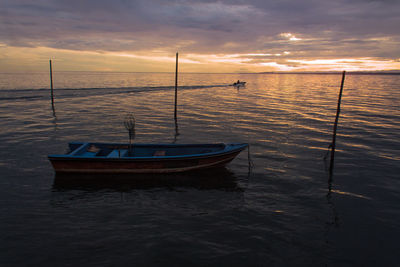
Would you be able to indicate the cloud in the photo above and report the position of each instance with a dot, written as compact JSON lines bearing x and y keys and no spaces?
{"x":304,"y":28}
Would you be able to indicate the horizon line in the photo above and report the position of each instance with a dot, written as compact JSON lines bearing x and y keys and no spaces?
{"x":387,"y":72}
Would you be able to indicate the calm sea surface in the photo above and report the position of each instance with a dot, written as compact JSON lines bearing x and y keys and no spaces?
{"x":277,"y":214}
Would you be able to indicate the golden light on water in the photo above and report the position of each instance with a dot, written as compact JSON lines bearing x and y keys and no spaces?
{"x":350,"y":194}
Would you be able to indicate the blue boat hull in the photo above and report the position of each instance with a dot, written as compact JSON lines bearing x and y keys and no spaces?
{"x":143,"y":158}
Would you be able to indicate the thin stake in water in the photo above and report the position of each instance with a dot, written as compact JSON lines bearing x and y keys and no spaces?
{"x":176,"y":84}
{"x":176,"y":131}
{"x":333,"y":145}
{"x":130,"y":126}
{"x":51,"y":89}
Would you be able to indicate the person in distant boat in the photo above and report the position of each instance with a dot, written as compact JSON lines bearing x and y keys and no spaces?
{"x":238,"y":81}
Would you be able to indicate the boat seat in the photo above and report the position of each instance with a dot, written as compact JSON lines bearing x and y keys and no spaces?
{"x":159,"y":153}
{"x":116,"y":154}
{"x":93,"y":149}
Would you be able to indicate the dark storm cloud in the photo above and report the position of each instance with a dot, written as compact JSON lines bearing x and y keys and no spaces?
{"x":325,"y":27}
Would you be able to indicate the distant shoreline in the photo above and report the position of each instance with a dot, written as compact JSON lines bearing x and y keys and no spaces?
{"x":396,"y":72}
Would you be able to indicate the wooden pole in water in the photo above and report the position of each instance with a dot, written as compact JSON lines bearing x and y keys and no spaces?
{"x":176,"y":84}
{"x":333,"y":145}
{"x":51,"y":87}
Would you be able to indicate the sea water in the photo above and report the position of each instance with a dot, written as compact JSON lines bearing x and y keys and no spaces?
{"x":279,"y":212}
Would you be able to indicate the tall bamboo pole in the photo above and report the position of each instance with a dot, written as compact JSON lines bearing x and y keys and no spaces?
{"x":51,"y":87}
{"x":176,"y":84}
{"x":333,"y":145}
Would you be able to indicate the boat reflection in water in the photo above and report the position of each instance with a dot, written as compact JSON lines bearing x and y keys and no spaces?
{"x":214,"y":178}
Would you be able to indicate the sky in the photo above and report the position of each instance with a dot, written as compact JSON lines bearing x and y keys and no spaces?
{"x":210,"y":36}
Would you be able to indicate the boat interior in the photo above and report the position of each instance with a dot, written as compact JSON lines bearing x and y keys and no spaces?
{"x":140,"y":150}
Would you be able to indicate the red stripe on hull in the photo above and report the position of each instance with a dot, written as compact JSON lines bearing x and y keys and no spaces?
{"x":139,"y":166}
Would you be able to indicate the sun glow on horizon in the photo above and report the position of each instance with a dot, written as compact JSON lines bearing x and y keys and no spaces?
{"x":351,"y":64}
{"x":36,"y":58}
{"x":290,"y":36}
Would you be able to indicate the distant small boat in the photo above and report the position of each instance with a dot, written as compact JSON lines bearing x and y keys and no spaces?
{"x":143,"y":158}
{"x":238,"y":83}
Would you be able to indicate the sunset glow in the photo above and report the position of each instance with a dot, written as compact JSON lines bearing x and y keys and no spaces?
{"x":210,"y":36}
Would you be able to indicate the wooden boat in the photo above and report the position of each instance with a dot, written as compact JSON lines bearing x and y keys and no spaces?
{"x":143,"y":158}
